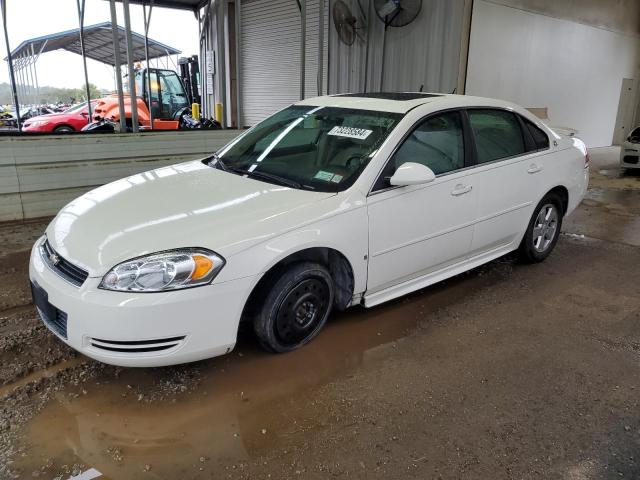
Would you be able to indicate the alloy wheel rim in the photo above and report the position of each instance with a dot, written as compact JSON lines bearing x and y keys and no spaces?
{"x":545,"y":227}
{"x":301,"y":311}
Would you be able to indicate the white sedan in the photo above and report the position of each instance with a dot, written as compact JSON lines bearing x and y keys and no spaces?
{"x":333,"y":202}
{"x":630,"y":151}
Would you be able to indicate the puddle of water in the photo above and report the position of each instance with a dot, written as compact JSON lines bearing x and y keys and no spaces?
{"x":243,"y":407}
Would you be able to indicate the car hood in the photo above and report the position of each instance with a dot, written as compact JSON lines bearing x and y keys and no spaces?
{"x":185,"y":205}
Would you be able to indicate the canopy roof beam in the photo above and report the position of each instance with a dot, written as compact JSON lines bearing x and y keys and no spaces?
{"x":12,"y":78}
{"x":81,"y":9}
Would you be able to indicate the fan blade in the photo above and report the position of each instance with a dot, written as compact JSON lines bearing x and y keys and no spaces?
{"x":388,"y":8}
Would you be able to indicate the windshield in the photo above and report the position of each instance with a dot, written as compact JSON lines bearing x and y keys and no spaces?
{"x":78,"y":107}
{"x":315,"y":148}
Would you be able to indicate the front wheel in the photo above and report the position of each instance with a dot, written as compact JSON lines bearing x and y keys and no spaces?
{"x":296,"y":308}
{"x":543,"y":230}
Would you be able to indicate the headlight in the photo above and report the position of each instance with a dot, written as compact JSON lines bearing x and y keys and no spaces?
{"x":38,"y":123}
{"x":170,"y":270}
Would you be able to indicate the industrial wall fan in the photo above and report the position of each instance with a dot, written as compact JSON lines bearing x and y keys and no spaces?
{"x":394,"y":13}
{"x":346,"y":23}
{"x":397,"y":13}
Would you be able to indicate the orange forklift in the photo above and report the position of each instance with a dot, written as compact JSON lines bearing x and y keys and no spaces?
{"x":170,"y":101}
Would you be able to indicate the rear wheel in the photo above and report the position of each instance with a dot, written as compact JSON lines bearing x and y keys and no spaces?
{"x":296,"y":308}
{"x":63,"y":129}
{"x":543,"y":230}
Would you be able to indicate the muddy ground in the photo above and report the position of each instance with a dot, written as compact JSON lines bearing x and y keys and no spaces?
{"x":508,"y":371}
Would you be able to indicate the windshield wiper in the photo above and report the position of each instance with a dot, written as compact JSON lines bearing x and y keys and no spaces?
{"x":267,"y":176}
{"x":216,"y":162}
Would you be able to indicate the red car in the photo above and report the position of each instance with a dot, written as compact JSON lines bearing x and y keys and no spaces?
{"x":71,"y":120}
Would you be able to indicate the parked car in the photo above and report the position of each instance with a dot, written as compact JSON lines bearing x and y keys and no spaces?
{"x":71,"y":120}
{"x":333,"y":202}
{"x":630,"y":151}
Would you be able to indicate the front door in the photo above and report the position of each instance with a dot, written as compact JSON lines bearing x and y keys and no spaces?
{"x":420,"y":229}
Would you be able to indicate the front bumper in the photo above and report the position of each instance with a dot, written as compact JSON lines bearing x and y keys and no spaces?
{"x":142,"y":329}
{"x":629,"y":158}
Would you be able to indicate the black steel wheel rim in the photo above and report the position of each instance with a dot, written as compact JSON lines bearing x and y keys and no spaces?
{"x":301,"y":311}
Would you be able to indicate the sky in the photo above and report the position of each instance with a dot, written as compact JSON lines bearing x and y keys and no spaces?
{"x":34,"y":18}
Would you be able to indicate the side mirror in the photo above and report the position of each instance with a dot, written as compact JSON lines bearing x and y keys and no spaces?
{"x":411,"y":173}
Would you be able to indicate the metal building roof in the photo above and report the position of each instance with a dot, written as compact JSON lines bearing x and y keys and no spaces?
{"x":179,"y":4}
{"x":98,"y":42}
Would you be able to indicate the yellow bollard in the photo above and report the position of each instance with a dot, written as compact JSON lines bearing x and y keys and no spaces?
{"x":195,"y":111}
{"x":219,"y":112}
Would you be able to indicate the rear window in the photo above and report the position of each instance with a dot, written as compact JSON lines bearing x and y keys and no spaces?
{"x":497,"y":134}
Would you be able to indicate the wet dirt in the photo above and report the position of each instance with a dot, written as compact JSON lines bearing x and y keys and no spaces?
{"x":508,"y":371}
{"x":611,"y":208}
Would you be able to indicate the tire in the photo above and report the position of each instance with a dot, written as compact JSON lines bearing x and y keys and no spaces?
{"x":543,"y":230}
{"x":296,"y":307}
{"x":63,"y":129}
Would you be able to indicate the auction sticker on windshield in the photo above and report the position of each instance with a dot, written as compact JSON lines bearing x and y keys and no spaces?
{"x":350,"y":132}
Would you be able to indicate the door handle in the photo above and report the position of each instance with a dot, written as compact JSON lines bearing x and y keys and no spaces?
{"x":461,"y":189}
{"x":534,"y":168}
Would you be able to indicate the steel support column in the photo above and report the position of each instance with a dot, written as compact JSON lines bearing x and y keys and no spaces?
{"x":35,"y":71}
{"x":221,"y":58}
{"x":329,"y":17}
{"x":133,"y":96}
{"x":147,"y":21}
{"x":303,"y":44}
{"x":81,"y":5}
{"x":320,"y":78}
{"x":118,"y":64}
{"x":238,"y":69}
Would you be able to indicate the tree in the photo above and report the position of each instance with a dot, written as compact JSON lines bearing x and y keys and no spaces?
{"x":52,"y":94}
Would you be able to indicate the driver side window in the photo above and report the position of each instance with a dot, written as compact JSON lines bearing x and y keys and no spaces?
{"x":437,"y":143}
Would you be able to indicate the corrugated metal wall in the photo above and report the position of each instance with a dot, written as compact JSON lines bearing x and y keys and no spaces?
{"x":270,"y":55}
{"x":38,"y":175}
{"x":425,"y":52}
{"x":311,"y":51}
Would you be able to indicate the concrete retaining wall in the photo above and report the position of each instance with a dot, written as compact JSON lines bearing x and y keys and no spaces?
{"x":40,"y":174}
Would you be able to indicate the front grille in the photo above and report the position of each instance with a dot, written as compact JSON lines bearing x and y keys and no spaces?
{"x":62,"y":267}
{"x":630,"y":159}
{"x":53,"y":318}
{"x":137,"y":346}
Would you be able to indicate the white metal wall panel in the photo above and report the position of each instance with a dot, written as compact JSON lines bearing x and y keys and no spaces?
{"x":512,"y":52}
{"x":425,"y":52}
{"x":49,"y":171}
{"x":269,"y":56}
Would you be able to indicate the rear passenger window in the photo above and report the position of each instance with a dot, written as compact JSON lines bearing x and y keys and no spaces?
{"x":539,"y":137}
{"x":497,"y":134}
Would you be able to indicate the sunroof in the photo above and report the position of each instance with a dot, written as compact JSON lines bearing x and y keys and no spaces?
{"x":399,"y":96}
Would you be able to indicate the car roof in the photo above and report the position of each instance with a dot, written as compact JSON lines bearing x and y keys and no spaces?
{"x":402,"y":102}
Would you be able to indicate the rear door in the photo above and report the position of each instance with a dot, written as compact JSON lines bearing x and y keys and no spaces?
{"x":511,"y":162}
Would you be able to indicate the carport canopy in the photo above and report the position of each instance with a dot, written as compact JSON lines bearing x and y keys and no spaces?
{"x":193,"y":5}
{"x":98,"y":42}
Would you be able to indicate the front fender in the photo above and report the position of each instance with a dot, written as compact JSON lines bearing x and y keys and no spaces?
{"x":346,"y":232}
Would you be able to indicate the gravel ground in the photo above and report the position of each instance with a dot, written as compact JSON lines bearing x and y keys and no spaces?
{"x":508,"y":371}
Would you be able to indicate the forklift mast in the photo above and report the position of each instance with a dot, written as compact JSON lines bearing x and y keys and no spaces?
{"x":190,"y":76}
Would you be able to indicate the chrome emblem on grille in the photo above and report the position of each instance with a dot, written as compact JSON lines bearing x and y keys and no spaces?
{"x":54,"y":259}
